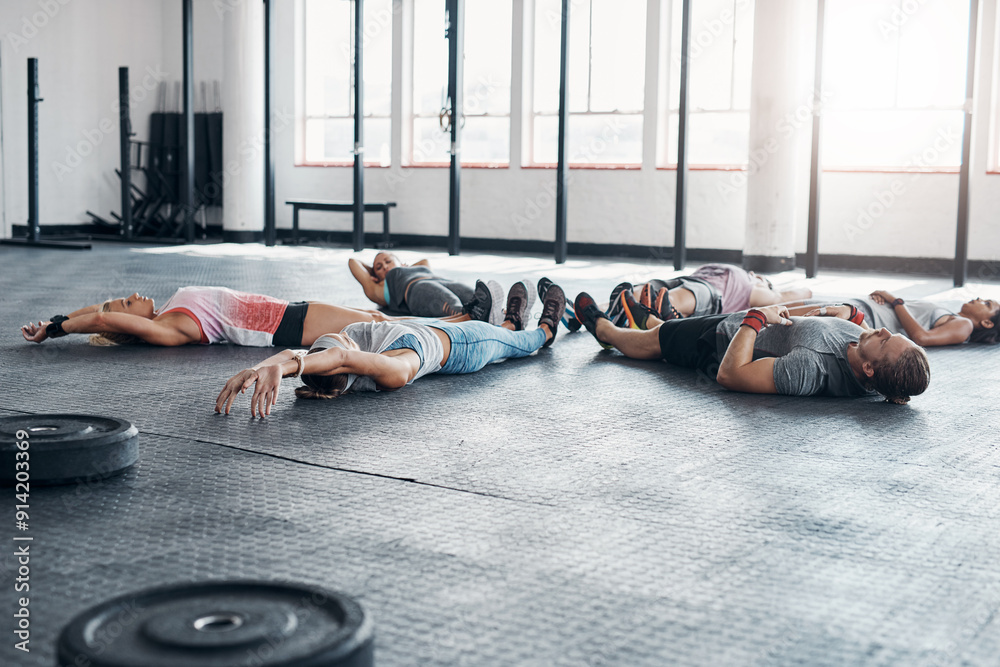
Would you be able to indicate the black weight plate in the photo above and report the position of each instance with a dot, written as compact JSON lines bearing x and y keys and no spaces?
{"x":221,"y":624}
{"x":63,"y":449}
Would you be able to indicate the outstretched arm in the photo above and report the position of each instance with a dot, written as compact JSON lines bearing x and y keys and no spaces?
{"x":954,"y":331}
{"x":389,"y":373}
{"x":738,"y":370}
{"x":154,"y":332}
{"x":369,"y":283}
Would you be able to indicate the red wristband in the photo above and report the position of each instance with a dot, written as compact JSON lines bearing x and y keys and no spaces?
{"x":856,"y":315}
{"x":755,"y":320}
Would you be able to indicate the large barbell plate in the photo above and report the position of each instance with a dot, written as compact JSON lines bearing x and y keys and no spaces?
{"x":222,"y":624}
{"x":63,"y":448}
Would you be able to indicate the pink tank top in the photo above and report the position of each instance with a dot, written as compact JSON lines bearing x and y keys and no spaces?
{"x":227,"y":316}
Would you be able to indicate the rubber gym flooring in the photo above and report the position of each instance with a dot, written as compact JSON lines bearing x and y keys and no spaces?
{"x":571,"y":508}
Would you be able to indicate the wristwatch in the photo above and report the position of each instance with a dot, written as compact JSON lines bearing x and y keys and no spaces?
{"x":897,"y":302}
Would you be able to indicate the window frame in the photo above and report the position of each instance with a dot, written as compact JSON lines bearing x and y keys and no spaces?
{"x":530,"y":114}
{"x":304,"y":117}
{"x":408,"y":161}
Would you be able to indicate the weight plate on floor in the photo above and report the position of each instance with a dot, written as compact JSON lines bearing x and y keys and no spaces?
{"x":63,"y":449}
{"x":216,"y":624}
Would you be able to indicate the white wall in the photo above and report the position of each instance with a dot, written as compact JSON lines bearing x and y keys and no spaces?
{"x":80,"y":45}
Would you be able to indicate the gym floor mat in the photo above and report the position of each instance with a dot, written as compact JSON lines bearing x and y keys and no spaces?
{"x":572,"y":508}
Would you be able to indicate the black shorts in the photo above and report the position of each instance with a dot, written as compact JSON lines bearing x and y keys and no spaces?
{"x":289,"y":331}
{"x":691,"y":343}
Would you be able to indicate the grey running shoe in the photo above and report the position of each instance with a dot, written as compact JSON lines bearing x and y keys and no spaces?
{"x":616,"y":310}
{"x":553,"y":309}
{"x":487,"y":303}
{"x":520,"y":299}
{"x":481,"y":305}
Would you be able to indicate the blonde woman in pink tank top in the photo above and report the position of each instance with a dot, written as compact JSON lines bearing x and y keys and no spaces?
{"x":204,"y":315}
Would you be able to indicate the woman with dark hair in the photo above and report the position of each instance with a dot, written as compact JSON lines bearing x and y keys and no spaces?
{"x":385,"y":356}
{"x":415,"y":290}
{"x":924,"y":322}
{"x":205,"y":315}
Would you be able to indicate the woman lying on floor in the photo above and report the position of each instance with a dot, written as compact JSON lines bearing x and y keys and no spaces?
{"x":712,"y":289}
{"x":385,"y":356}
{"x":206,"y":315}
{"x":414,"y":290}
{"x":924,"y":322}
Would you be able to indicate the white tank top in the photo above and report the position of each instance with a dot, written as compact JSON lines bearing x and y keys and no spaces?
{"x":227,"y":316}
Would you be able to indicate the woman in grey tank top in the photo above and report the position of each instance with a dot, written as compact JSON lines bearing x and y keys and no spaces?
{"x":924,"y":322}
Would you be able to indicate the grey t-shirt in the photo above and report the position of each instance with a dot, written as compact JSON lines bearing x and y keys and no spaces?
{"x":926,"y":313}
{"x":812,"y":354}
{"x":381,"y":336}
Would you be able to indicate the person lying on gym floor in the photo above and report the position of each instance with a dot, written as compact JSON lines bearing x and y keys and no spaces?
{"x":763,"y":351}
{"x":213,"y":315}
{"x":385,"y":356}
{"x":924,"y":322}
{"x":415,"y":290}
{"x":712,"y":289}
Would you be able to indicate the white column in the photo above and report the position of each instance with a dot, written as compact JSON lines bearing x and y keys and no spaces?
{"x":243,"y":121}
{"x":780,"y":127}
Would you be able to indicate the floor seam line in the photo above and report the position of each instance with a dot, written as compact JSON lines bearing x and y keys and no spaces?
{"x":349,"y":470}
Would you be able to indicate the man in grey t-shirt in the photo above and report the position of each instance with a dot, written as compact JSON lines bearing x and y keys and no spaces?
{"x":765,"y":351}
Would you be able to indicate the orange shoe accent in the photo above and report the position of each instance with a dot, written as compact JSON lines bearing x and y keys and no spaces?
{"x":645,"y":296}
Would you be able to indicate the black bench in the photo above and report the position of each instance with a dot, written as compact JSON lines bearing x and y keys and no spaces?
{"x":343,"y":207}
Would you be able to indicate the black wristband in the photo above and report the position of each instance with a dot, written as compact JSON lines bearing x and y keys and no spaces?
{"x":897,"y":302}
{"x":58,"y":318}
{"x":55,"y":330}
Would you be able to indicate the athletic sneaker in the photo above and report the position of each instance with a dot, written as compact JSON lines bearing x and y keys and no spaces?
{"x":588,"y":313}
{"x":553,"y":309}
{"x":635,"y":311}
{"x":616,"y":308}
{"x":487,"y":302}
{"x":646,"y":295}
{"x":569,"y":318}
{"x":520,"y":299}
{"x":663,"y":308}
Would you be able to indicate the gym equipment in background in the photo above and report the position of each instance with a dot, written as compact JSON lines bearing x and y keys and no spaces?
{"x":34,"y":237}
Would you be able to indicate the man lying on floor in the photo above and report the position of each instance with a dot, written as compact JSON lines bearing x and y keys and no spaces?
{"x":762,"y":351}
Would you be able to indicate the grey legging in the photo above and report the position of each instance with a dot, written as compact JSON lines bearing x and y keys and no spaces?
{"x":437,"y":297}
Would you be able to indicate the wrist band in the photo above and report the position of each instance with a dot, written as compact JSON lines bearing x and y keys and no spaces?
{"x":856,"y":315}
{"x":897,"y":302}
{"x":55,"y":330}
{"x":300,"y":362}
{"x":755,"y":320}
{"x":58,"y":318}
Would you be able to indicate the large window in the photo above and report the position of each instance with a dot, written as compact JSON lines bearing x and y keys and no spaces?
{"x":486,"y":108}
{"x":606,"y":81}
{"x":719,"y":89}
{"x":328,"y":132}
{"x":894,"y":79}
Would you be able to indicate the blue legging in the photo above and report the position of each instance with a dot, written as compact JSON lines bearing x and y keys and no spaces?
{"x":475,"y":344}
